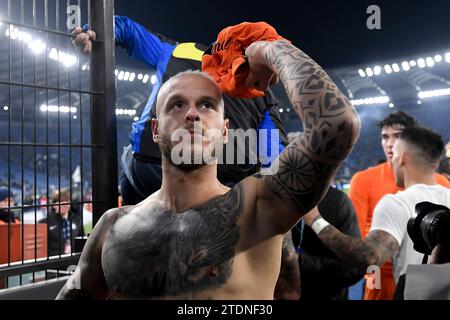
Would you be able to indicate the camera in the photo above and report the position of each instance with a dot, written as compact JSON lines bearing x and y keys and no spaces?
{"x":429,"y":227}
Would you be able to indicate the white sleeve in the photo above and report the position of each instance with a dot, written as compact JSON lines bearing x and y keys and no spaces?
{"x":390,"y":216}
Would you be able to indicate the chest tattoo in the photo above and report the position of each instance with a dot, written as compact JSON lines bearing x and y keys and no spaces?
{"x":157,"y":253}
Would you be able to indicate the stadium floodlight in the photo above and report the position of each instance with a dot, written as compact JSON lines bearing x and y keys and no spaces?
{"x":388,"y":68}
{"x":419,"y":101}
{"x":370,"y":100}
{"x":26,"y":37}
{"x":369,"y":72}
{"x":125,"y":112}
{"x":132,"y":76}
{"x":37,"y":46}
{"x":153,"y":79}
{"x":116,"y":72}
{"x":437,"y":58}
{"x":434,"y":93}
{"x":405,"y":66}
{"x":61,"y":109}
{"x":140,"y":76}
{"x":361,"y":73}
{"x":281,"y":110}
{"x":377,"y":70}
{"x":391,"y":105}
{"x":146,"y":77}
{"x":69,"y":60}
{"x":430,"y":62}
{"x":6,"y":108}
{"x":126,"y":76}
{"x":120,"y":76}
{"x":395,"y":67}
{"x":53,"y":54}
{"x":447,"y":57}
{"x":136,"y":119}
{"x":413,"y":63}
{"x":421,"y":63}
{"x":12,"y":32}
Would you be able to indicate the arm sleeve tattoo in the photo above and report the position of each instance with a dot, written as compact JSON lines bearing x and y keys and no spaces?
{"x":331,"y":128}
{"x":377,"y":248}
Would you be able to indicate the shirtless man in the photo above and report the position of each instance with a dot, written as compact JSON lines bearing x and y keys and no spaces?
{"x":198,"y":239}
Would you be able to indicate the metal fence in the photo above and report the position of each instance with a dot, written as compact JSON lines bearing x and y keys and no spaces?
{"x":57,"y":132}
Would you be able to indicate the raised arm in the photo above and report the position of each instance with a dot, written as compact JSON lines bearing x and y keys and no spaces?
{"x":331,"y":129}
{"x":139,"y":43}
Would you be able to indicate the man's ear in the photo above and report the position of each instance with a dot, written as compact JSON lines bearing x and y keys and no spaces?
{"x":404,"y":157}
{"x":155,"y":130}
{"x":226,"y":126}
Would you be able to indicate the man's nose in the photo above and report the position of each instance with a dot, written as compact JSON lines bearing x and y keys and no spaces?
{"x":391,"y":142}
{"x":192,"y":114}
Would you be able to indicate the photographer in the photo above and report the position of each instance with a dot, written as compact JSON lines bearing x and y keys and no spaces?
{"x":416,"y":155}
{"x":429,"y":232}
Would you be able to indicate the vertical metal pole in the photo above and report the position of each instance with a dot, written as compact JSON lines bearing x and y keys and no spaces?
{"x":103,"y":111}
{"x":47,"y":160}
{"x":80,"y":96}
{"x":22,"y":136}
{"x":9,"y":138}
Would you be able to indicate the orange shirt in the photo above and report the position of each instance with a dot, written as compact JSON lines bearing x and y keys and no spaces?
{"x":366,"y":189}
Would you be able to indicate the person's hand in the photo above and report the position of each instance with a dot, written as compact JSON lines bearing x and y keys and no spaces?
{"x":434,"y":257}
{"x":261,"y":76}
{"x":311,"y":216}
{"x":83,"y":40}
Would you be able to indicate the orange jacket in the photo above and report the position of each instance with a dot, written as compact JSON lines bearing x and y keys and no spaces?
{"x":366,"y":189}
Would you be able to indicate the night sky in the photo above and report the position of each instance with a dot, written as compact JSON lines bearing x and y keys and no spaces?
{"x":334,"y":33}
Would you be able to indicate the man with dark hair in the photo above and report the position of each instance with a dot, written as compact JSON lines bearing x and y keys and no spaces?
{"x":367,"y":187}
{"x":196,"y":238}
{"x":415,"y":157}
{"x":397,"y":120}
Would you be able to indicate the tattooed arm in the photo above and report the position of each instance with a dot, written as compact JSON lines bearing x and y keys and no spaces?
{"x":378,"y":247}
{"x":88,"y":281}
{"x":288,"y":285}
{"x":331,"y":129}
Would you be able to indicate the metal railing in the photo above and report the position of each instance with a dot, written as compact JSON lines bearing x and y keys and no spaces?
{"x":57,"y":125}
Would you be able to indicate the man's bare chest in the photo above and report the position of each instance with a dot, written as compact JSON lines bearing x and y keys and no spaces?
{"x":157,"y":253}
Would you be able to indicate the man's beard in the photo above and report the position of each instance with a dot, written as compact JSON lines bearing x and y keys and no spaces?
{"x":165,"y":145}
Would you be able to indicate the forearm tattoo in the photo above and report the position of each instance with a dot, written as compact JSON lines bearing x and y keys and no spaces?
{"x":331,"y":128}
{"x":376,"y":249}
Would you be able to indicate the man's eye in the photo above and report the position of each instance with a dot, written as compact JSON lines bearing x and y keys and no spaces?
{"x":206,"y":105}
{"x":178,"y":105}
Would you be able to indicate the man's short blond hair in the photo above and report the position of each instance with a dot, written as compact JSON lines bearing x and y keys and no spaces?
{"x":198,"y":73}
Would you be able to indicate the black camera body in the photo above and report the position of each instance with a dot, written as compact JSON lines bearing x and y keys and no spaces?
{"x":429,"y":227}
